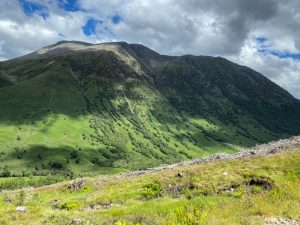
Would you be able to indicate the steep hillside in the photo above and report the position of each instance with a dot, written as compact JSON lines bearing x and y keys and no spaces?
{"x":258,"y":186}
{"x":74,"y":107}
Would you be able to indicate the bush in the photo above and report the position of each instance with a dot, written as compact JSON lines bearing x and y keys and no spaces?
{"x":69,"y":205}
{"x":189,"y":216}
{"x":57,"y":165}
{"x":152,"y":190}
{"x":5,"y":172}
{"x":21,"y":197}
{"x":74,"y":154}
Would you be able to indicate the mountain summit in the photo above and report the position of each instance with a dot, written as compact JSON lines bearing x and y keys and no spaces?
{"x":80,"y":107}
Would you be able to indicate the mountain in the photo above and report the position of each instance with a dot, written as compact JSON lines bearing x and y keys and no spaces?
{"x":75,"y":107}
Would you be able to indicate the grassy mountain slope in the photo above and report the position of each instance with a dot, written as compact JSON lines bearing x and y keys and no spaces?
{"x":244,"y":191}
{"x":77,"y":108}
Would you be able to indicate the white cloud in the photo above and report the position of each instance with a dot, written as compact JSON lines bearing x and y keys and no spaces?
{"x":201,"y":27}
{"x":284,"y":72}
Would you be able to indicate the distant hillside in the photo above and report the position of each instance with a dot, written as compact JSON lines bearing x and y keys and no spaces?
{"x":75,"y":107}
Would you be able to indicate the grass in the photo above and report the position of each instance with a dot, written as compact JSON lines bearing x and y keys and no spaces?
{"x":12,"y":183}
{"x":233,"y":192}
{"x":112,"y":121}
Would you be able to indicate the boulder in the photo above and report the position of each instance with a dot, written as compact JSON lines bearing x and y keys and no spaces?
{"x":21,"y":209}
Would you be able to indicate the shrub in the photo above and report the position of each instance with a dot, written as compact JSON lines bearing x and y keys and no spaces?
{"x":189,"y":216}
{"x":69,"y":205}
{"x":74,"y":154}
{"x":185,"y":154}
{"x":57,"y":165}
{"x":152,"y":190}
{"x":5,"y":172}
{"x":21,"y":197}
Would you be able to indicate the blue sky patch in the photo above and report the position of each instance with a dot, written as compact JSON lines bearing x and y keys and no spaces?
{"x":280,"y":54}
{"x":261,"y":40}
{"x":116,"y":19}
{"x":30,"y":8}
{"x":266,"y":49}
{"x":69,"y":5}
{"x":90,"y":26}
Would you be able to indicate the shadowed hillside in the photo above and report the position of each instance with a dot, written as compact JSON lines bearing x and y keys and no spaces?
{"x":74,"y":107}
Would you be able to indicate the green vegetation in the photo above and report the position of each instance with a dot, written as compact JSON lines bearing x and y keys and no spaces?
{"x":235,"y":192}
{"x":12,"y":183}
{"x":93,"y":112}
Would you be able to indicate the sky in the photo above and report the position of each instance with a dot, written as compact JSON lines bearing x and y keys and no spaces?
{"x":261,"y":34}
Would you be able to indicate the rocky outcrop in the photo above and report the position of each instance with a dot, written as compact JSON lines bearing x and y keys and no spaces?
{"x":259,"y":150}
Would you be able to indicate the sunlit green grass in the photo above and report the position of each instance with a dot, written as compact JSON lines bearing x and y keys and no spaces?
{"x":201,"y":199}
{"x":62,"y":105}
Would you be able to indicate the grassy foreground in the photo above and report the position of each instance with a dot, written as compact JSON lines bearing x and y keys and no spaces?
{"x":236,"y":192}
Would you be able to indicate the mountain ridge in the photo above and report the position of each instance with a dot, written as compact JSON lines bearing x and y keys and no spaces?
{"x":77,"y":107}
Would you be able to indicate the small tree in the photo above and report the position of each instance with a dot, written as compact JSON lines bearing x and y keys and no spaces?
{"x":6,"y":172}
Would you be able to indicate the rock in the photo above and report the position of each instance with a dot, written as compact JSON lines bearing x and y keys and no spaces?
{"x":76,"y":221}
{"x":55,"y":204}
{"x":252,"y":152}
{"x":100,"y":206}
{"x":21,"y":209}
{"x":180,"y":174}
{"x":282,"y":221}
{"x":76,"y":185}
{"x":229,"y":191}
{"x":261,"y":150}
{"x":175,"y":189}
{"x":80,"y":184}
{"x":8,"y":199}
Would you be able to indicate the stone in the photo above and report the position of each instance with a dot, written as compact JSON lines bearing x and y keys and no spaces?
{"x":180,"y":174}
{"x":76,"y":185}
{"x":21,"y":209}
{"x":282,"y":221}
{"x":76,"y":221}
